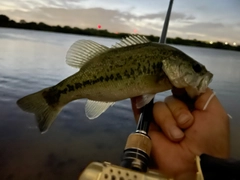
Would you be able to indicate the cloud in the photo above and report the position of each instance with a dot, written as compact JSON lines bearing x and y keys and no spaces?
{"x":112,"y":20}
{"x":34,"y":5}
{"x":212,"y":31}
{"x":208,"y":25}
{"x":181,"y":24}
{"x":174,"y":16}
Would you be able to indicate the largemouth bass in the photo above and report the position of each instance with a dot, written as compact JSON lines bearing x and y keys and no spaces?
{"x":133,"y":67}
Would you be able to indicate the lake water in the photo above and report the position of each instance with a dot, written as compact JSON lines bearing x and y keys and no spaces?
{"x":32,"y":60}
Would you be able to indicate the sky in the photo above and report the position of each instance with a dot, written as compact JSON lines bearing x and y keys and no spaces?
{"x":208,"y":20}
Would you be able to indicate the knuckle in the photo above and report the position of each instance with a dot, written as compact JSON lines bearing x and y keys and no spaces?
{"x":161,"y":113}
{"x":178,"y":110}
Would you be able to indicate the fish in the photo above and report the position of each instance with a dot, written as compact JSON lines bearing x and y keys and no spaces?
{"x":133,"y":67}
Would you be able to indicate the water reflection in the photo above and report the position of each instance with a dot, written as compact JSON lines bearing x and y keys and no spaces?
{"x":31,"y":60}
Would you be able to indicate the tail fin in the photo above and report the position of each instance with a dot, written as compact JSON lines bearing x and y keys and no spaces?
{"x":35,"y":103}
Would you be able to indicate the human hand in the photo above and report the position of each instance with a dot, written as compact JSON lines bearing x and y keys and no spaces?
{"x":178,"y":134}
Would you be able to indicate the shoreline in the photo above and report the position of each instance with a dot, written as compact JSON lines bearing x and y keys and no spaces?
{"x":6,"y":22}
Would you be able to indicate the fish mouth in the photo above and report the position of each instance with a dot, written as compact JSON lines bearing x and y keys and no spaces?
{"x":194,"y":87}
{"x":205,"y":81}
{"x":194,"y":91}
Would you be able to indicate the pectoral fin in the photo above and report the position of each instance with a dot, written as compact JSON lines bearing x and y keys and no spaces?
{"x":143,"y":100}
{"x":93,"y":109}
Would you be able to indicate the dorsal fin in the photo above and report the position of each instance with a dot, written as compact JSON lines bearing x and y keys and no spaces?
{"x":82,"y":51}
{"x":131,"y":40}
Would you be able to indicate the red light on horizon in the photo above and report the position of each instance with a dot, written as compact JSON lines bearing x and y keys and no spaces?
{"x":99,"y":26}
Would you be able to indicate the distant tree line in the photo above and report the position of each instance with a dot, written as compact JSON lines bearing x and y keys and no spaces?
{"x":7,"y":22}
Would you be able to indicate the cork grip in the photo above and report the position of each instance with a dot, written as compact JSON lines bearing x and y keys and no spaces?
{"x":139,"y":141}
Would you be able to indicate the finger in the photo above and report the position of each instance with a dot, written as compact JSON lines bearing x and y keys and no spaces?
{"x":136,"y":111}
{"x":154,"y":127}
{"x":180,"y":112}
{"x":164,"y":119}
{"x":181,"y":94}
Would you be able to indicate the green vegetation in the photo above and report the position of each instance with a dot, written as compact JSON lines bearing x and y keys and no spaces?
{"x":6,"y":22}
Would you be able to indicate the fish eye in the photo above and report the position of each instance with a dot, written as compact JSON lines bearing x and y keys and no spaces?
{"x":197,"y":68}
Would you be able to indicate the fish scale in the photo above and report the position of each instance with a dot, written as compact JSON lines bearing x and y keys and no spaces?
{"x":131,"y":70}
{"x":134,"y":67}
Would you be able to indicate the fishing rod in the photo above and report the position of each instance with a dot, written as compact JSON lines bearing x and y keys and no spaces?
{"x":146,"y":116}
{"x":138,"y":147}
{"x":210,"y":167}
{"x":136,"y":155}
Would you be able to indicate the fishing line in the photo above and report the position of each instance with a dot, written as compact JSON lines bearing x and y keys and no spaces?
{"x":229,"y":116}
{"x":208,"y":101}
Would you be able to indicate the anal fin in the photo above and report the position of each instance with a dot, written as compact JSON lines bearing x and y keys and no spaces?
{"x":93,"y":109}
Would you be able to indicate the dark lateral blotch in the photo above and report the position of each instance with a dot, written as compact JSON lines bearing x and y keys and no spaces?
{"x":111,"y":77}
{"x":126,"y":74}
{"x":70,"y":88}
{"x":107,"y":78}
{"x":64,"y":91}
{"x":101,"y":79}
{"x":51,"y":96}
{"x":78,"y":85}
{"x":132,"y":71}
{"x":87,"y":82}
{"x":118,"y":76}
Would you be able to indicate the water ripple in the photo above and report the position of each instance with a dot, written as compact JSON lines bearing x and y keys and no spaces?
{"x":31,"y":61}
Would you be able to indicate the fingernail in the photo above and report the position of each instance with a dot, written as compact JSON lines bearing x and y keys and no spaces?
{"x":176,"y":133}
{"x":183,"y":118}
